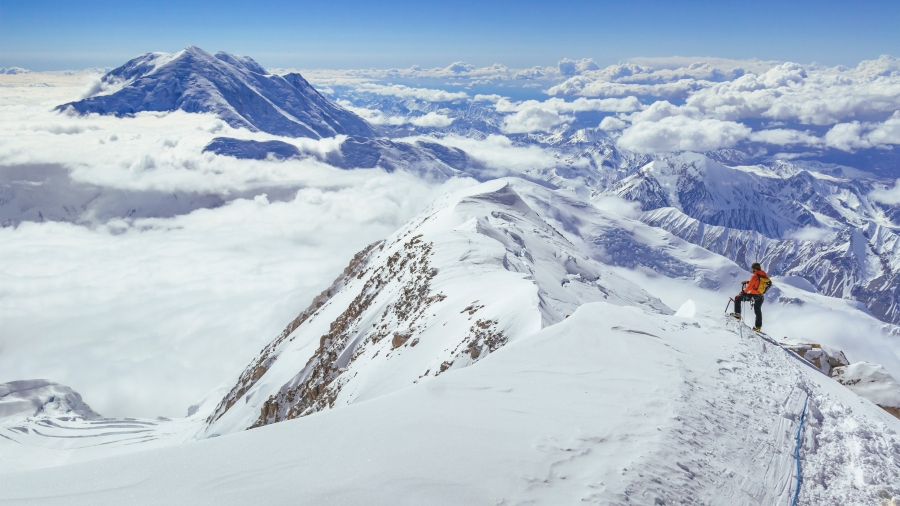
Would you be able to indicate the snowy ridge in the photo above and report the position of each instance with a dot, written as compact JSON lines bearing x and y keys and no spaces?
{"x":730,"y":197}
{"x":477,"y":270}
{"x":235,"y":88}
{"x":440,"y":365}
{"x":657,"y":409}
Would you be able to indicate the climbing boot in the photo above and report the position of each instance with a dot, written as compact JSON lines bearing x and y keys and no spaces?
{"x":735,"y":315}
{"x":757,"y":329}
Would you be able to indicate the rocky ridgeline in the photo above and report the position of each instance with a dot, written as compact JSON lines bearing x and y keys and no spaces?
{"x":317,"y":387}
{"x":267,"y":356}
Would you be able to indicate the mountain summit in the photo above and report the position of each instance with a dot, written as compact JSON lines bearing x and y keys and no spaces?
{"x":235,"y":88}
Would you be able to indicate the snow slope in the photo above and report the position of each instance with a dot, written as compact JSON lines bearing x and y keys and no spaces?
{"x":512,"y":344}
{"x":478,"y":269}
{"x":610,"y":406}
{"x":235,"y":88}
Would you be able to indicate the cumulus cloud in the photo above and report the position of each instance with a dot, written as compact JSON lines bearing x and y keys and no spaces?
{"x":533,"y":119}
{"x":612,"y":123}
{"x":497,"y":151}
{"x":587,"y":86}
{"x":487,"y":98}
{"x":754,"y":65}
{"x":569,"y":67}
{"x":376,"y":117}
{"x":432,"y":119}
{"x":856,"y":135}
{"x":617,"y":205}
{"x":784,"y":137}
{"x":534,"y":115}
{"x":627,"y":104}
{"x":681,"y":133}
{"x":399,"y":90}
{"x":889,"y":196}
{"x":789,"y":92}
{"x":809,"y":234}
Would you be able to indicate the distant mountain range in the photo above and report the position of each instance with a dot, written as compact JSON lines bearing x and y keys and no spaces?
{"x":725,"y":201}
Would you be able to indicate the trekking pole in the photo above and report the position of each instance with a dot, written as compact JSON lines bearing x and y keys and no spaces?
{"x":730,"y":300}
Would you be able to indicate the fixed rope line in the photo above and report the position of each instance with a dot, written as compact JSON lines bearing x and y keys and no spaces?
{"x":797,"y":453}
{"x":802,"y":415}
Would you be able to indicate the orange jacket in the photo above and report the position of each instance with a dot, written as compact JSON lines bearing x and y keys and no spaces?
{"x":753,"y":286}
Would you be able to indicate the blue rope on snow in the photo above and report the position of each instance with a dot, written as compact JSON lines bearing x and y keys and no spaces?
{"x":797,"y":452}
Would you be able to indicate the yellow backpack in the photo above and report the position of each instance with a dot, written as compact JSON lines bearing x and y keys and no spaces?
{"x":764,"y":284}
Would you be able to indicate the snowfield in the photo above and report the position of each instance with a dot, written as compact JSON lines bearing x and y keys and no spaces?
{"x":611,"y":406}
{"x":512,"y":344}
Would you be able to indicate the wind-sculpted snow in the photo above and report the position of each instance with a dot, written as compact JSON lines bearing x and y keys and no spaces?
{"x":235,"y":88}
{"x":478,"y":269}
{"x":32,"y":397}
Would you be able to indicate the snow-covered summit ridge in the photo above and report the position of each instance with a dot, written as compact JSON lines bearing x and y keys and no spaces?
{"x":479,"y":269}
{"x":608,"y":406}
{"x":235,"y":88}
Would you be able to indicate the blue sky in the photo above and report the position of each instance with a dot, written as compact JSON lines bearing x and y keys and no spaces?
{"x":53,"y":34}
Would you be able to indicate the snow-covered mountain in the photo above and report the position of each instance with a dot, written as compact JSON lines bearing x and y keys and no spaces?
{"x":861,"y":264}
{"x":33,"y":397}
{"x":476,"y":271}
{"x":512,"y":343}
{"x":235,"y":88}
{"x":772,"y":200}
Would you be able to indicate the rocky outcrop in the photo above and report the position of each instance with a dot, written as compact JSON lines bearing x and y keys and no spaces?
{"x":267,"y":356}
{"x":315,"y":387}
{"x":825,"y":361}
{"x":871,"y":382}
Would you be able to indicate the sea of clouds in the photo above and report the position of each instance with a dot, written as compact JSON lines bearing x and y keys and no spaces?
{"x":159,"y":271}
{"x":671,"y":104}
{"x":145,"y":316}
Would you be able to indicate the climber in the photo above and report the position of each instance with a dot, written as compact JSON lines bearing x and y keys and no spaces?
{"x":753,"y":290}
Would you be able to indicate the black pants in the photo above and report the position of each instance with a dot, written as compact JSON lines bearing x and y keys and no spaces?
{"x":757,"y":305}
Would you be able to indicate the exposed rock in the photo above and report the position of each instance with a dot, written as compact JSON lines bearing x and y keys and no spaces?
{"x":315,"y":387}
{"x":871,"y":382}
{"x":267,"y":356}
{"x":399,"y":340}
{"x":825,"y":361}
